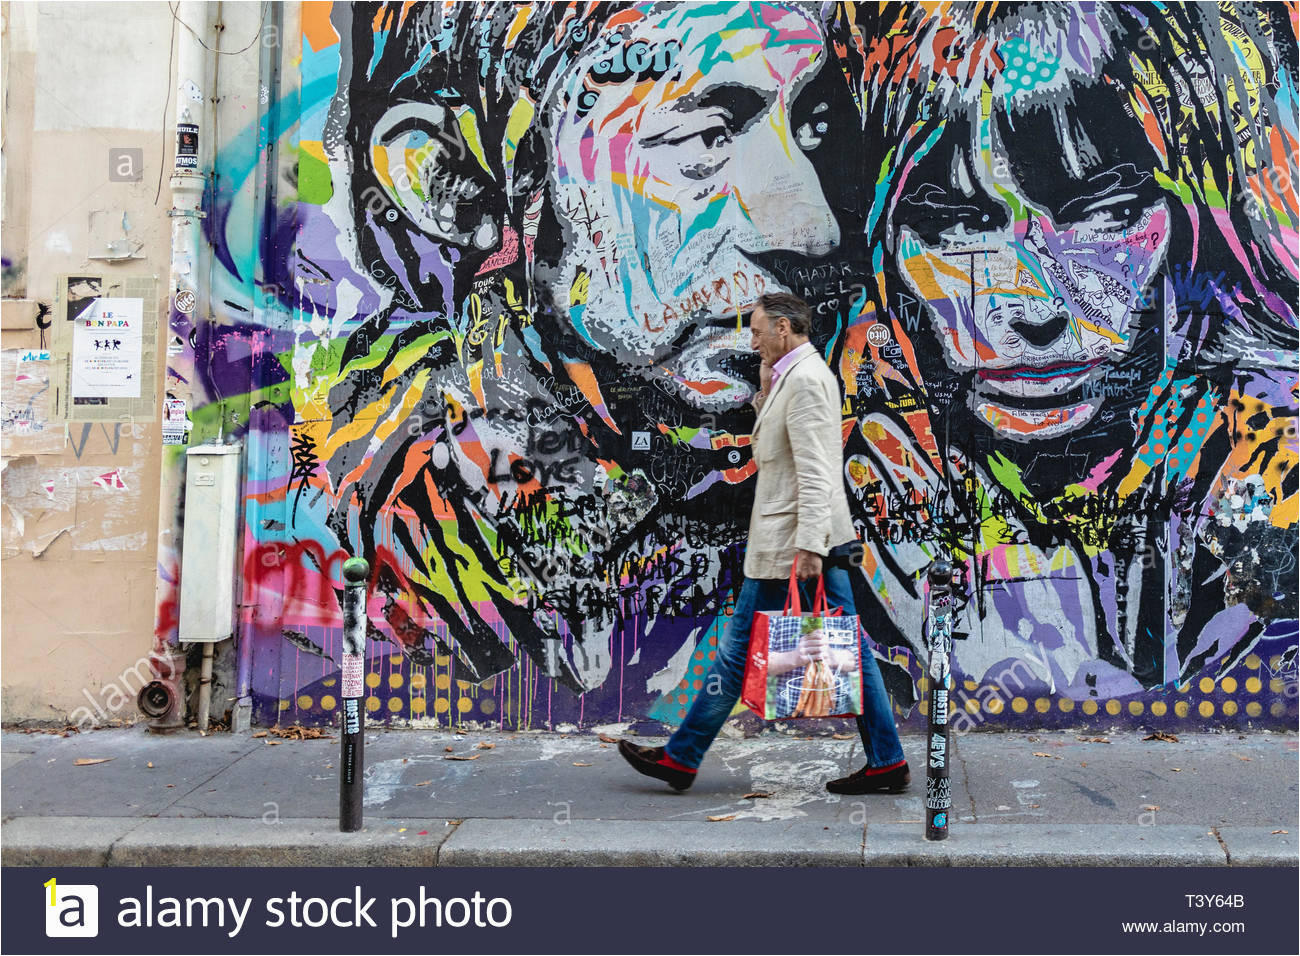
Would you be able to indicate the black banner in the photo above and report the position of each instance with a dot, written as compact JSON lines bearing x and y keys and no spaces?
{"x":649,"y":910}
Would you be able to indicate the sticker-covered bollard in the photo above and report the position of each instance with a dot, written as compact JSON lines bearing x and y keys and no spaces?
{"x":938,"y":644}
{"x":352,"y":733}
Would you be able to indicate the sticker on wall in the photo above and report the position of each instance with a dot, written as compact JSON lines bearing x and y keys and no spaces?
{"x":187,"y":146}
{"x":176,"y":422}
{"x":184,"y":301}
{"x":878,"y":334}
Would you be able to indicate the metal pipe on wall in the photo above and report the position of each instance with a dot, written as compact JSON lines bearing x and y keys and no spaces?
{"x":188,"y":299}
{"x":268,"y":70}
{"x":205,"y":688}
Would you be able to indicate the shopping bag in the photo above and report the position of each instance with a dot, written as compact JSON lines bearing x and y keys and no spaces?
{"x":803,"y":664}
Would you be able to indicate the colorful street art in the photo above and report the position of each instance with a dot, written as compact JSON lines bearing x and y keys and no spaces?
{"x":496,"y":345}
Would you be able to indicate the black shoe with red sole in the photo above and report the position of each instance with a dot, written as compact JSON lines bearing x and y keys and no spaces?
{"x":654,"y":762}
{"x":873,"y":780}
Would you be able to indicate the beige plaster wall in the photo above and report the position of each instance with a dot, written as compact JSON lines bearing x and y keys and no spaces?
{"x":78,"y":524}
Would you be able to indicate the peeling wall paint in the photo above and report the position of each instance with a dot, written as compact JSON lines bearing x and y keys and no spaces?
{"x":25,"y":423}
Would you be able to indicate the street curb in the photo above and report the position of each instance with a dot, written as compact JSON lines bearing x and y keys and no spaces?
{"x":1046,"y":844}
{"x":482,"y":842}
{"x":227,"y":841}
{"x":1259,"y":846}
{"x":61,"y":841}
{"x":217,"y":841}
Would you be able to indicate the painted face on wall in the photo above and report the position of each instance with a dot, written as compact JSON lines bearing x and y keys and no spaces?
{"x":681,"y":149}
{"x":1032,"y":284}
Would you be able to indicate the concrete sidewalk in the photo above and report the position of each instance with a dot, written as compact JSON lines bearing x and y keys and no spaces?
{"x":541,"y":799}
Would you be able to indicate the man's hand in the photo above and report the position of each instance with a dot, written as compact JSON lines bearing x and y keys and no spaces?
{"x":808,"y":564}
{"x":813,"y":647}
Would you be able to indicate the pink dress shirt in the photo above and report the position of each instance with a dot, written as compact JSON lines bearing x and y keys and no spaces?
{"x":788,"y":359}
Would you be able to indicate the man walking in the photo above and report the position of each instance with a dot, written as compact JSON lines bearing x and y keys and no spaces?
{"x":800,"y":518}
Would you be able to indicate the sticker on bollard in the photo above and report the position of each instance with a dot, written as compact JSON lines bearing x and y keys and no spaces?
{"x":938,"y":633}
{"x":352,"y":737}
{"x":354,"y":675}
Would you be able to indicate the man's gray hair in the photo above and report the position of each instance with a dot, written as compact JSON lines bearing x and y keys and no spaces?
{"x":777,"y":304}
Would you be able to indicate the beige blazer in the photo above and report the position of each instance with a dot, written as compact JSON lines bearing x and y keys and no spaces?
{"x":799,"y":449}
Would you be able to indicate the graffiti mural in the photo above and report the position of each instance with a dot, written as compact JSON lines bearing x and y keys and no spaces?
{"x":1051,"y":252}
{"x":1087,"y":269}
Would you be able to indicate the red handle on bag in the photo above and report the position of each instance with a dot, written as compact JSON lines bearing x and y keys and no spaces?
{"x":792,"y":602}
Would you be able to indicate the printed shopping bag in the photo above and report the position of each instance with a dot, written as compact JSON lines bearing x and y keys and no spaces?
{"x":803,"y":664}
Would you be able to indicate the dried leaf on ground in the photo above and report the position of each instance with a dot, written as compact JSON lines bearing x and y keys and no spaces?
{"x":424,"y":783}
{"x":1162,"y":735}
{"x":607,"y":738}
{"x":260,"y":733}
{"x":483,"y":745}
{"x":274,"y":743}
{"x":1039,"y":753}
{"x":756,"y":795}
{"x":87,"y":761}
{"x":1094,"y":740}
{"x":299,"y":732}
{"x":1176,"y":769}
{"x":56,"y":731}
{"x":842,"y":736}
{"x":579,"y":763}
{"x":149,"y":765}
{"x":1240,"y":757}
{"x":722,"y":819}
{"x":1275,"y":832}
{"x":448,"y":749}
{"x":1151,"y":807}
{"x":461,"y":757}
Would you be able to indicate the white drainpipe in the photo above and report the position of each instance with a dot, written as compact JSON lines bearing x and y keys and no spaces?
{"x":188,"y":300}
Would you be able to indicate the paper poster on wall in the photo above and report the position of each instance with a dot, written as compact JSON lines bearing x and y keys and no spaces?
{"x":82,"y":291}
{"x":107,"y":346}
{"x":25,"y":425}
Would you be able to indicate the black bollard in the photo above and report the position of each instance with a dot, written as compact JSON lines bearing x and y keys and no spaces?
{"x":352,"y":733}
{"x":937,"y":623}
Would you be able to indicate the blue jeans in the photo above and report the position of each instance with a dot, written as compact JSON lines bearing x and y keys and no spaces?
{"x":710,"y":710}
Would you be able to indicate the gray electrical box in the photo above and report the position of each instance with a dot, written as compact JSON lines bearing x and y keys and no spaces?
{"x":210,"y":548}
